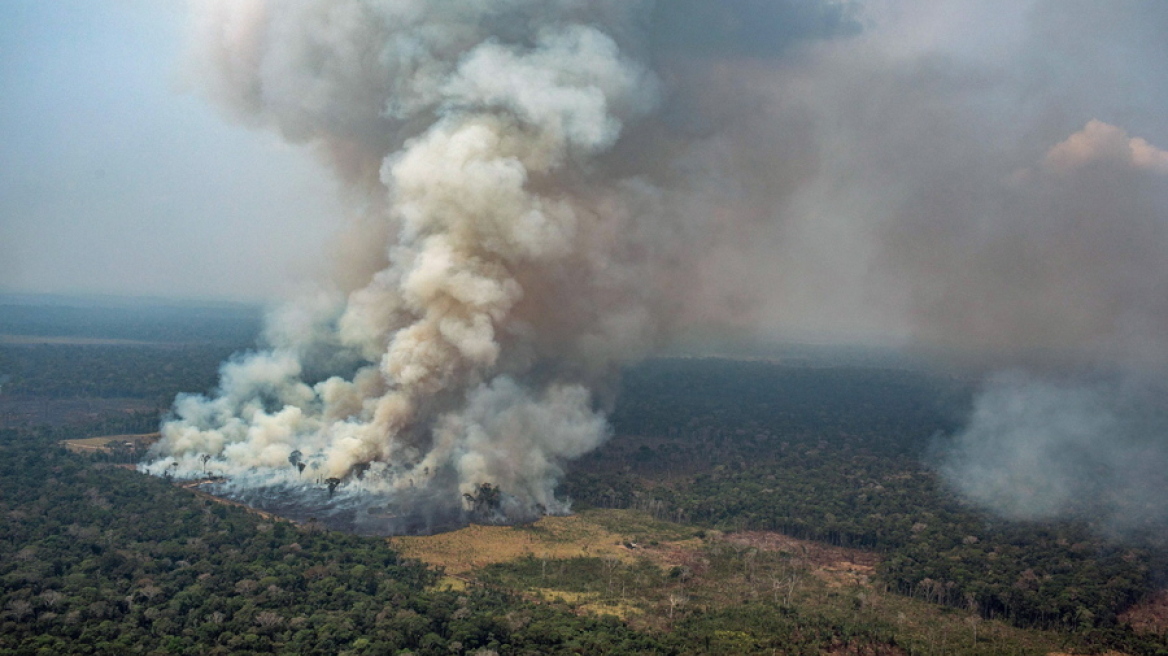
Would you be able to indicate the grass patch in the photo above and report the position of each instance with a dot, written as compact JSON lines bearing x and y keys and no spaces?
{"x":716,"y":594}
{"x":451,"y":584}
{"x":106,"y":443}
{"x":610,"y":578}
{"x":640,"y":527}
{"x":476,"y":547}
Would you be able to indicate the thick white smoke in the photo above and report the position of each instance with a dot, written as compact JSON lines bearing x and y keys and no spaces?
{"x":497,"y":298}
{"x":541,"y":191}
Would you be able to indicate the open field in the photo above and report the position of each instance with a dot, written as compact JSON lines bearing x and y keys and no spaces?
{"x":596,"y":534}
{"x":1150,"y":615}
{"x":107,"y":443}
{"x":753,"y":586}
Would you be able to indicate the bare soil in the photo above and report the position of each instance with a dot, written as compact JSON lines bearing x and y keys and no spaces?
{"x":837,"y":566}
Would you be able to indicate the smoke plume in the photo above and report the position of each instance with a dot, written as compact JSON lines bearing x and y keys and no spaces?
{"x":542,"y":191}
{"x":489,"y":294}
{"x":984,"y":179}
{"x":1041,"y":449}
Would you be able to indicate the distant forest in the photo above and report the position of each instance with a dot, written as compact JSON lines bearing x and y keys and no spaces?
{"x":97,"y":559}
{"x":135,"y":351}
{"x":223,"y":324}
{"x":841,"y":456}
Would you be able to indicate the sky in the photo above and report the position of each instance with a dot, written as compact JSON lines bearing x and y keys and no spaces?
{"x":881,"y":167}
{"x":484,"y":209}
{"x":116,"y":178}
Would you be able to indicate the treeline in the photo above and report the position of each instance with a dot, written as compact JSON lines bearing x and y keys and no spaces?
{"x":235,"y":325}
{"x":105,"y":371}
{"x":835,"y":455}
{"x":96,"y":559}
{"x":708,"y":402}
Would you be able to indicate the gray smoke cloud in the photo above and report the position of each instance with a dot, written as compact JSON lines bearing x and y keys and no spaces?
{"x":486,"y":295}
{"x":1015,"y":187}
{"x":541,"y":192}
{"x":1038,"y":449}
{"x":985,"y":179}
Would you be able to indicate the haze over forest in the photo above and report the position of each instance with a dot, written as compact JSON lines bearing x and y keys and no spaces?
{"x":403,"y":268}
{"x":874,"y":168}
{"x":474,"y":214}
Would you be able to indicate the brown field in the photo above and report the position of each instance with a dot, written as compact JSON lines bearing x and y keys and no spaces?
{"x":593,"y":534}
{"x":836,"y":566}
{"x":106,"y":443}
{"x":721,"y":571}
{"x":625,"y":535}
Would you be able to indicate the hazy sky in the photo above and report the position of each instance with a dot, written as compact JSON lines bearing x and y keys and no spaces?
{"x":116,"y":179}
{"x":549,"y":189}
{"x":964,"y":172}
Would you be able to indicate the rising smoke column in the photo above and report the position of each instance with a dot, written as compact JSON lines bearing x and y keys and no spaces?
{"x":491,"y":283}
{"x":532,"y":207}
{"x":525,"y":220}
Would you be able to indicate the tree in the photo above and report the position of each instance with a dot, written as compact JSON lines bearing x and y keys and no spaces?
{"x":486,"y":499}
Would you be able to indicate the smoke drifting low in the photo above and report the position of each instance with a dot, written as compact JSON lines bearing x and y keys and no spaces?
{"x":1038,"y":449}
{"x":1092,"y":447}
{"x":543,"y":191}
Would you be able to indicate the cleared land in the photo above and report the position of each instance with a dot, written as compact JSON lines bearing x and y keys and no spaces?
{"x":658,"y":575}
{"x":109,"y":443}
{"x":1150,"y":615}
{"x":596,"y":534}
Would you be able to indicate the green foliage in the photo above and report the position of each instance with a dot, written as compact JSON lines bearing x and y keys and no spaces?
{"x":485,"y":501}
{"x":608,"y":579}
{"x":835,"y":455}
{"x":96,"y":559}
{"x":223,"y":324}
{"x":155,"y":373}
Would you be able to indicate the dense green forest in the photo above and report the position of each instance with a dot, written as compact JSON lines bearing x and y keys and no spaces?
{"x":224,"y":324}
{"x":142,"y":354}
{"x":95,"y":558}
{"x":153,"y":373}
{"x":841,"y":455}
